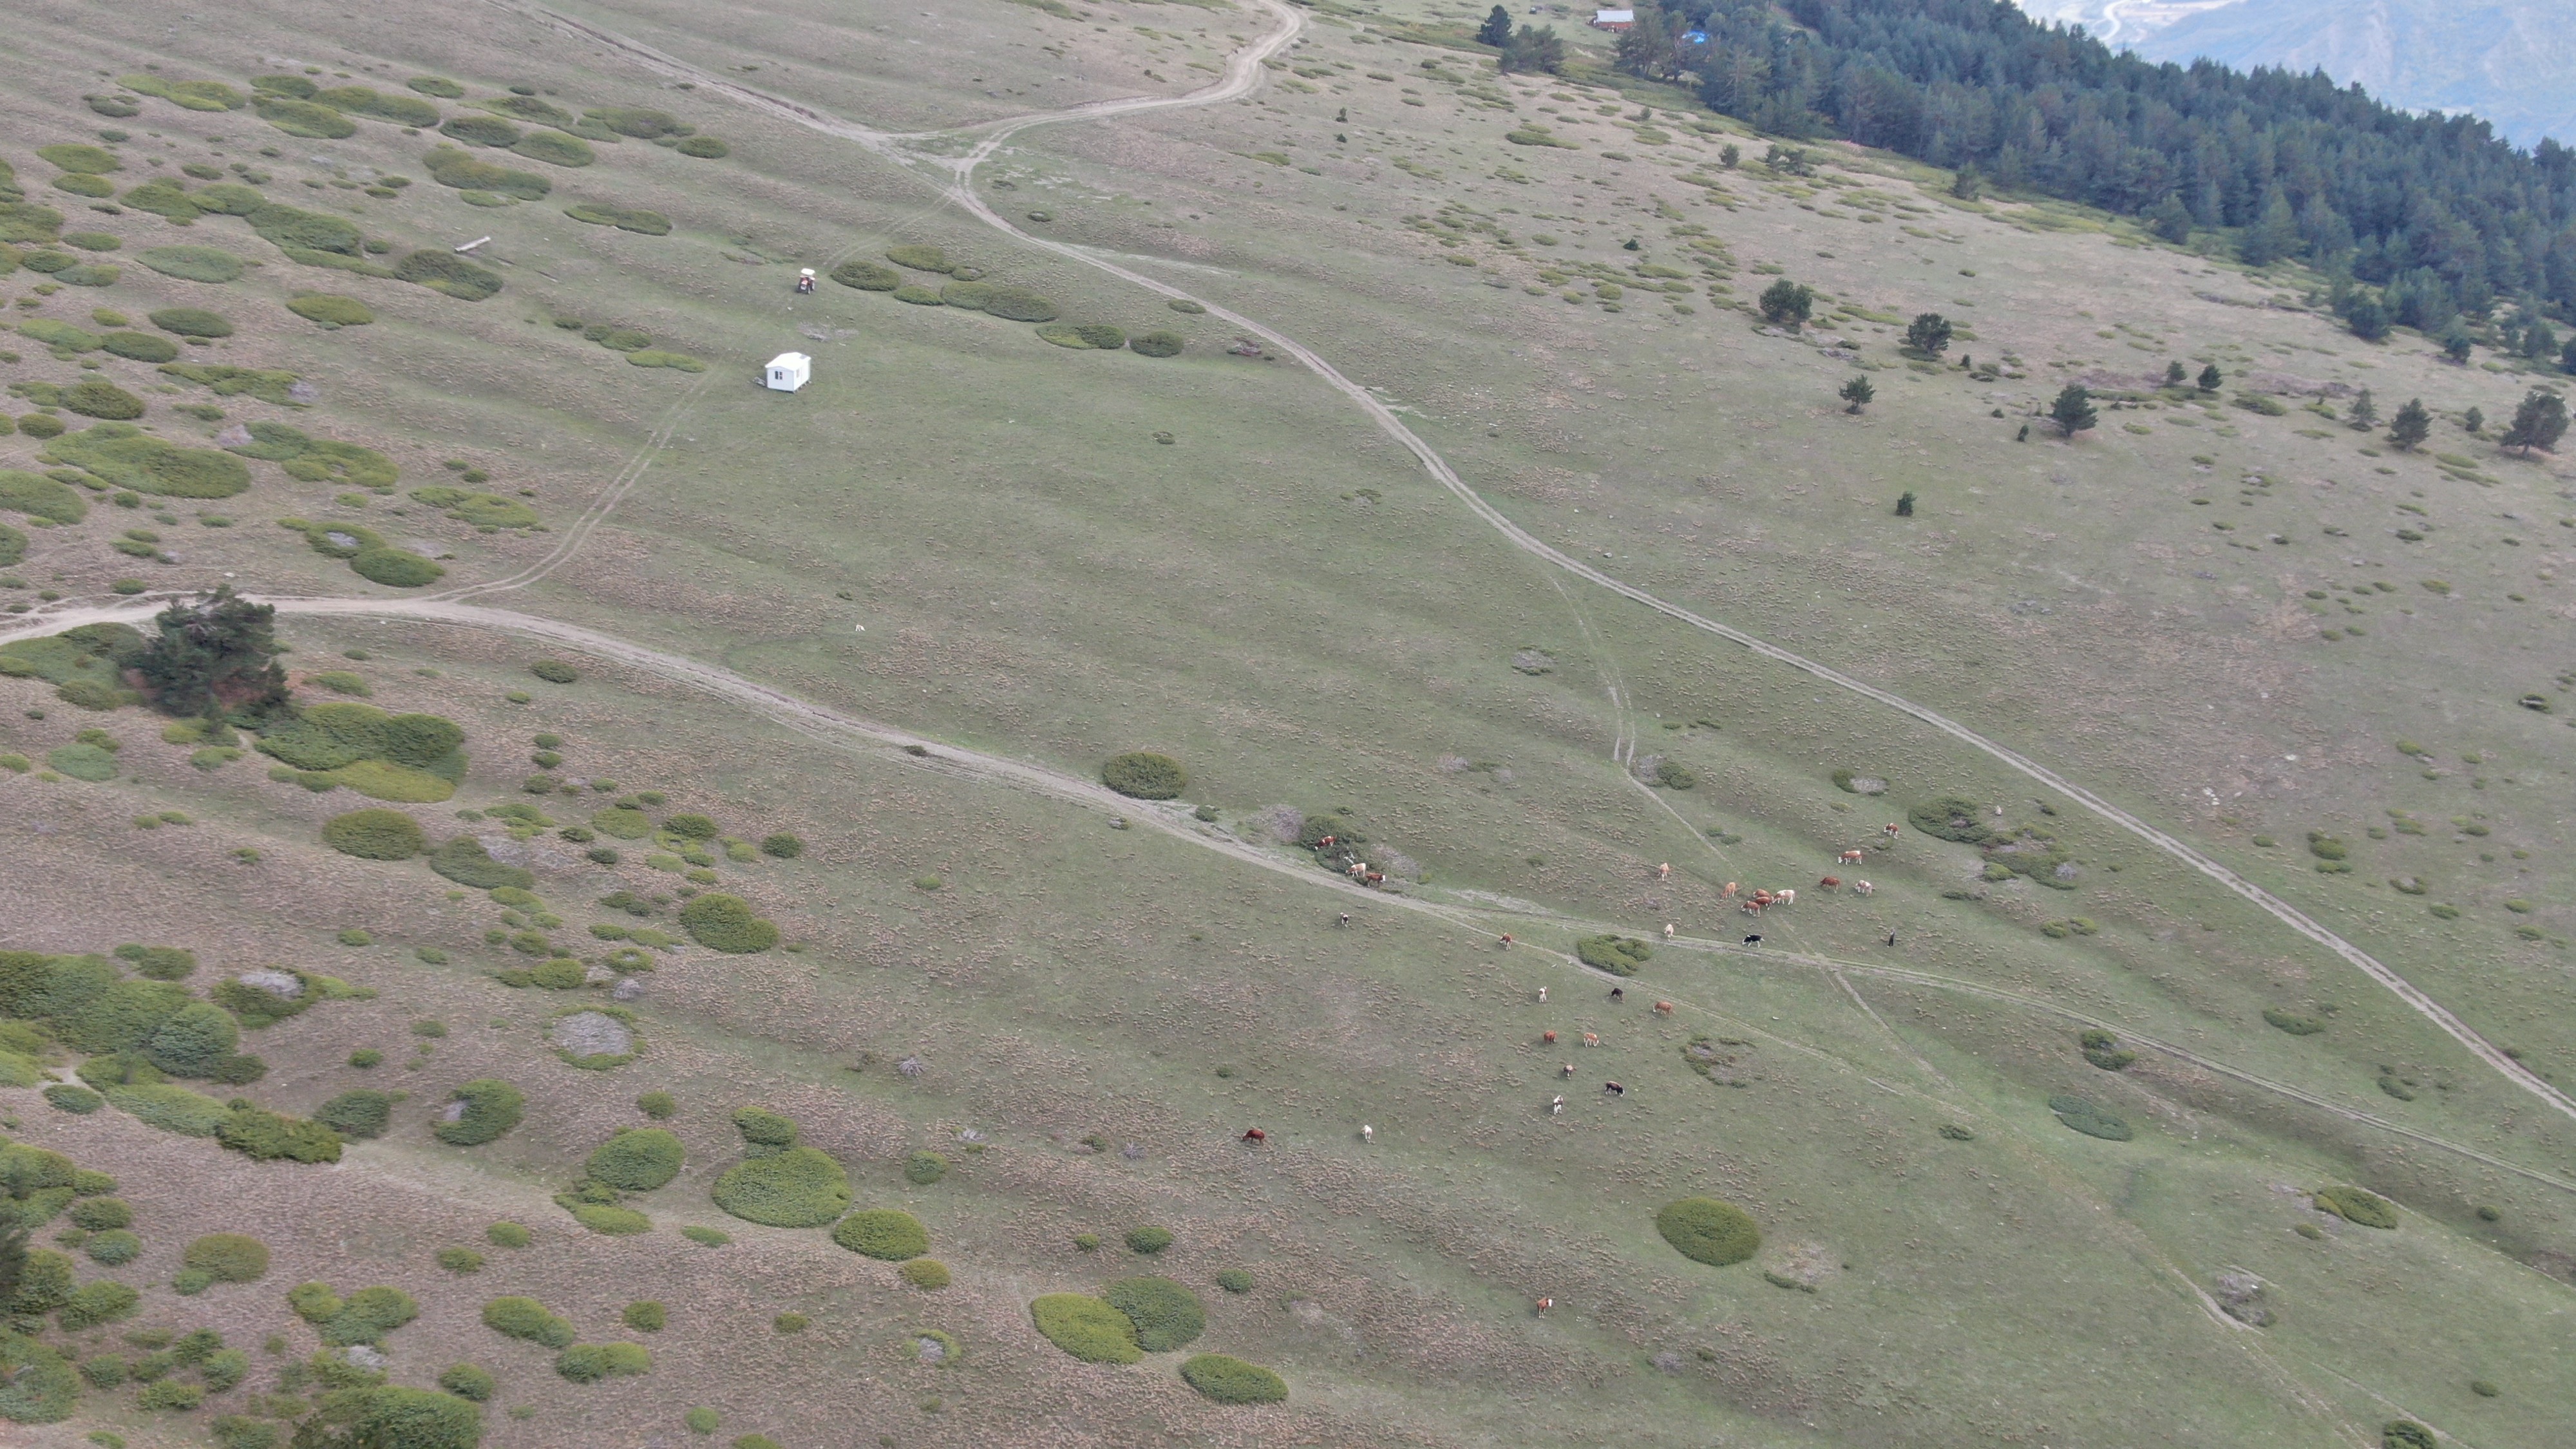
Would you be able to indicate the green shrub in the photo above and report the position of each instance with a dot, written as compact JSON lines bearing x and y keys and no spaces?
{"x":265,"y":1136}
{"x":554,"y":671}
{"x":453,"y":168}
{"x":330,"y":310}
{"x":1086,"y":1328}
{"x":113,"y":1248}
{"x":481,"y":130}
{"x":920,"y":259}
{"x":1143,"y":775}
{"x":80,"y":157}
{"x":98,"y":1214}
{"x":607,"y":1219}
{"x":797,"y":1187}
{"x":138,"y":347}
{"x":705,"y":148}
{"x":2103,"y":1050}
{"x":361,"y":101}
{"x":1156,"y":344}
{"x":707,"y":1237}
{"x":1952,"y":819}
{"x":624,"y":218}
{"x":2406,"y":1434}
{"x":764,"y":1131}
{"x":304,"y":118}
{"x":646,"y":1316}
{"x":924,"y":1168}
{"x":527,"y":1318}
{"x":192,"y":322}
{"x":106,"y":1371}
{"x":1232,"y":1381}
{"x":395,"y":568}
{"x":886,"y":1234}
{"x":357,"y":1114}
{"x":588,"y":1363}
{"x":1706,"y":1230}
{"x":490,"y":1106}
{"x":171,"y":1394}
{"x":79,"y":1101}
{"x":2354,"y":1205}
{"x":506,"y":1235}
{"x":464,"y":861}
{"x":194,"y":1042}
{"x":374,"y":835}
{"x":657,"y":1105}
{"x":192,"y":263}
{"x":1618,"y":955}
{"x":227,"y":1257}
{"x":460,"y":1261}
{"x":1017,"y":304}
{"x":867,"y":276}
{"x":693,"y":827}
{"x":702,"y":1420}
{"x":1166,"y":1315}
{"x":122,"y":456}
{"x":2092,"y":1121}
{"x":1148,"y":1240}
{"x":725,"y":923}
{"x":927,"y":1274}
{"x":637,"y":1159}
{"x":399,"y":1418}
{"x":1234,"y":1280}
{"x":95,"y":1303}
{"x":63,"y":337}
{"x":41,"y":497}
{"x":555,"y":149}
{"x":121,"y":1018}
{"x":2293,"y":1023}
{"x":466,"y":1381}
{"x":445,"y":272}
{"x":1084,"y":336}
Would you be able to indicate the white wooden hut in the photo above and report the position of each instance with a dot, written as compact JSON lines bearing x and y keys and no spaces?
{"x":787,"y":372}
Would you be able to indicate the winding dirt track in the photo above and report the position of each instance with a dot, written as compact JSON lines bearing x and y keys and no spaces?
{"x":1242,"y":74}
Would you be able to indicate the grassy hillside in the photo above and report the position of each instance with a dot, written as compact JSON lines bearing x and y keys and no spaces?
{"x":2032,"y":1131}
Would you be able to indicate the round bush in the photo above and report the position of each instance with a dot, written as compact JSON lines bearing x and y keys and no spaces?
{"x":330,"y":310}
{"x":920,"y":259}
{"x":867,"y":276}
{"x":1618,"y":955}
{"x":924,"y":1168}
{"x":460,"y":1260}
{"x":1232,"y":1381}
{"x":1143,"y":775}
{"x":483,"y":1109}
{"x":554,"y":671}
{"x":98,"y":1214}
{"x":782,"y":846}
{"x":2353,"y":1205}
{"x":646,"y":1316}
{"x":927,"y":1274}
{"x":506,"y":1235}
{"x":725,"y":923}
{"x":395,"y":568}
{"x":1234,"y":1280}
{"x":466,"y":1381}
{"x":761,"y":1127}
{"x":887,"y":1234}
{"x":657,"y":1105}
{"x":98,"y":398}
{"x":360,"y":1114}
{"x":140,"y":346}
{"x":1156,"y":344}
{"x":588,"y":1363}
{"x":1148,"y":1240}
{"x":1085,"y":1327}
{"x":527,"y":1318}
{"x":1705,"y":1230}
{"x":917,"y":295}
{"x":1166,"y":1314}
{"x":705,"y":148}
{"x":374,"y":835}
{"x":638,"y":1159}
{"x":693,"y":827}
{"x":114,"y":1248}
{"x":227,"y":1257}
{"x":79,"y":1101}
{"x":795,"y":1188}
{"x":192,"y":322}
{"x":1017,"y":304}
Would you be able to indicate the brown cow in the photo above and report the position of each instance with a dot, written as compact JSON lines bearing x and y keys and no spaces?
{"x":1547,"y":1038}
{"x":1592,"y":1039}
{"x":1614,"y":1089}
{"x":1255,"y":1134}
{"x":1545,"y":1304}
{"x":1831,"y":882}
{"x":1850,"y":857}
{"x":1862,"y":887}
{"x":1663,"y":1008}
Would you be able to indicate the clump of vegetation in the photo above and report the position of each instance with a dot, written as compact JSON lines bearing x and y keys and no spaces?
{"x":374,"y":835}
{"x":624,"y":218}
{"x":725,"y":923}
{"x":1084,"y":337}
{"x":360,"y":1114}
{"x":1706,"y":1230}
{"x":120,"y":455}
{"x":588,"y":1363}
{"x":366,"y":1316}
{"x":482,"y":1110}
{"x":330,"y":312}
{"x":465,"y":861}
{"x":1017,"y":304}
{"x":2103,"y":1050}
{"x":2292,"y":1022}
{"x":636,"y":1159}
{"x":1165,"y":1314}
{"x":927,"y":1274}
{"x":2354,"y":1205}
{"x":1233,"y":1381}
{"x":414,"y":758}
{"x":1143,"y":775}
{"x":1086,"y":1328}
{"x":886,"y":1234}
{"x":867,"y":276}
{"x":924,"y":1168}
{"x":704,"y":148}
{"x":778,"y":1183}
{"x":2092,"y":1121}
{"x":1156,"y":344}
{"x":1618,"y":955}
{"x":526,"y":1318}
{"x":1148,"y":1240}
{"x":646,"y":1316}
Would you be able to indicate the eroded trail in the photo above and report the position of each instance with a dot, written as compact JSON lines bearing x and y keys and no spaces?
{"x":1242,"y":74}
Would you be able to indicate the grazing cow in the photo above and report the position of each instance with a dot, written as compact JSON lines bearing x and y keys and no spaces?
{"x":1663,"y":1008}
{"x":1664,"y":871}
{"x":1367,"y":1133}
{"x":1891,"y":938}
{"x":1850,"y":857}
{"x":1255,"y":1134}
{"x":1547,"y":1038}
{"x":1377,"y":878}
{"x":1785,"y":898}
{"x":1325,"y":844}
{"x":1668,"y":930}
{"x":1751,"y":908}
{"x":1346,"y":918}
{"x":1618,"y":993}
{"x":1592,"y":1039}
{"x":1891,"y":831}
{"x":1542,"y":996}
{"x":1728,"y":894}
{"x":1862,"y":887}
{"x":1557,"y":1107}
{"x":1753,"y":940}
{"x":1545,"y":1304}
{"x":1566,"y":1071}
{"x":1763,"y":898}
{"x":1614,"y":1089}
{"x":1506,"y":944}
{"x":1831,"y":882}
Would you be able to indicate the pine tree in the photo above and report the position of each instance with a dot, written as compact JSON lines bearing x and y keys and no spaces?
{"x":2411,"y":426}
{"x":2171,"y":220}
{"x":1967,"y":185}
{"x":2567,"y":359}
{"x":2367,"y":316}
{"x":2539,"y":423}
{"x":2473,"y":421}
{"x":1929,"y":334}
{"x":2073,"y":409}
{"x":2211,"y":378}
{"x":1905,"y":504}
{"x":2274,"y":234}
{"x":215,"y":657}
{"x":1497,"y":29}
{"x":1858,"y":393}
{"x":2457,"y":342}
{"x":1787,"y":304}
{"x":2174,"y":374}
{"x":2365,"y":413}
{"x":1535,"y":48}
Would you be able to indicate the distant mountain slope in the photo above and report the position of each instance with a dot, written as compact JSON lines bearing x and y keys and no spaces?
{"x":2510,"y":61}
